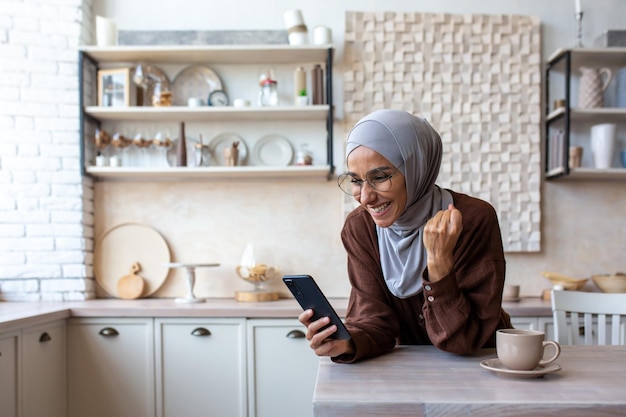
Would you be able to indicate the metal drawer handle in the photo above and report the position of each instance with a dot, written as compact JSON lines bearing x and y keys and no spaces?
{"x":108,"y":331}
{"x":200,"y":331}
{"x":296,"y":334}
{"x":45,"y":337}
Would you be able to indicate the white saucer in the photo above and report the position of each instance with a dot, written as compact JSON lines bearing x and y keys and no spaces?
{"x":496,"y":366}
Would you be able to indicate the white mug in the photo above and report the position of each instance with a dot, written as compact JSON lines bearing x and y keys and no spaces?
{"x":603,"y":144}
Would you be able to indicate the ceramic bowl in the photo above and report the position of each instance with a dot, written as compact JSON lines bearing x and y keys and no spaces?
{"x":568,"y":283}
{"x":611,"y":282}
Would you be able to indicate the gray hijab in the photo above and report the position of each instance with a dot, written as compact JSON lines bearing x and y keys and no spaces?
{"x":413,"y":147}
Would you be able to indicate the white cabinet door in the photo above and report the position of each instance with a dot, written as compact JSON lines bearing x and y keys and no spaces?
{"x":44,"y":370}
{"x":527,"y":323}
{"x":282,"y":369}
{"x":546,"y":325}
{"x":201,"y":368}
{"x":9,"y":374}
{"x":111,"y":367}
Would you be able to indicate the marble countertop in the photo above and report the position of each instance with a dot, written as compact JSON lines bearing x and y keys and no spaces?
{"x":15,"y":315}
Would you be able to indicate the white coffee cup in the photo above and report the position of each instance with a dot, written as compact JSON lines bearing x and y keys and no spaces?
{"x":106,"y":32}
{"x":603,"y":137}
{"x":523,"y":350}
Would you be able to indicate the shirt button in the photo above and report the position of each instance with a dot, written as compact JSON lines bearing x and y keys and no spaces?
{"x":427,"y":287}
{"x":431,"y":298}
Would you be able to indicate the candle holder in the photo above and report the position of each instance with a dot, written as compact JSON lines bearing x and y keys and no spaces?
{"x":579,"y":29}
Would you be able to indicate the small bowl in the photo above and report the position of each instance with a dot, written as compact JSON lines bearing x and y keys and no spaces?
{"x":568,"y":283}
{"x":615,"y":283}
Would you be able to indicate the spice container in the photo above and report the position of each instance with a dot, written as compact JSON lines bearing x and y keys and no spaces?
{"x":304,"y":156}
{"x":269,"y":93}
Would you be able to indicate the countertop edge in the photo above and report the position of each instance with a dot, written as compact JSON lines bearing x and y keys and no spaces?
{"x":16,"y":315}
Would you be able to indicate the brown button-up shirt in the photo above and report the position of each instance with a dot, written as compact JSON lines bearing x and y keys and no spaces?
{"x":459,"y":313}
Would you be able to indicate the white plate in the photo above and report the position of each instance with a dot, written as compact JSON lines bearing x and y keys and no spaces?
{"x":194,"y":81}
{"x":225,"y":140}
{"x":120,"y":247}
{"x":273,"y":150}
{"x":496,"y":366}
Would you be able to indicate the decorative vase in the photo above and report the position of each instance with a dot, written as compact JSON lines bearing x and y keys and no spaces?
{"x":593,"y":83}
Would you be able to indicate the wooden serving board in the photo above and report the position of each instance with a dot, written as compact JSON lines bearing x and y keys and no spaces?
{"x":131,"y":286}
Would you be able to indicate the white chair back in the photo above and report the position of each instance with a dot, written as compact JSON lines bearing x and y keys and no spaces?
{"x":599,"y":314}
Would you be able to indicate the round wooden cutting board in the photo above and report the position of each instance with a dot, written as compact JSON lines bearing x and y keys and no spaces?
{"x":124,"y":245}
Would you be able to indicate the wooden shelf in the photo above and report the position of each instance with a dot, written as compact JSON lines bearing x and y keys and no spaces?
{"x":583,"y":174}
{"x":208,"y":173}
{"x":227,"y":54}
{"x":596,"y":57}
{"x":598,"y":115}
{"x":206,"y":113}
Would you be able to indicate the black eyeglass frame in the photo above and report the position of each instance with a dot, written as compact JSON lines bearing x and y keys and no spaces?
{"x":351,"y":182}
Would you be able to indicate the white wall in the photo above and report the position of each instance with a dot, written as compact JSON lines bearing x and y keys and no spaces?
{"x":581,"y":234}
{"x":46,"y":213}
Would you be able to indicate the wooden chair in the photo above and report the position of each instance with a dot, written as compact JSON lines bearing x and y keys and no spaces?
{"x":569,"y":307}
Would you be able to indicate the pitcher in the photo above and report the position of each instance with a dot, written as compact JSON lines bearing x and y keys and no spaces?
{"x":593,"y":82}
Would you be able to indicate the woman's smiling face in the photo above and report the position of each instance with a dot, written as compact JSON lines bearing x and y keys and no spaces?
{"x":384,"y":206}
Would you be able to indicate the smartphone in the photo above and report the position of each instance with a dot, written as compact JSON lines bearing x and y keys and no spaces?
{"x":310,"y":296}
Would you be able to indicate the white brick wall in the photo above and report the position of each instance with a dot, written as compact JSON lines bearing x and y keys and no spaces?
{"x":46,"y":207}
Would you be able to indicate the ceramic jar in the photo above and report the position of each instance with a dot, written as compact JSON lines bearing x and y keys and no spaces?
{"x":603,"y":137}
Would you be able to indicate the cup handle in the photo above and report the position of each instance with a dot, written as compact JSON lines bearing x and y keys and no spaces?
{"x":557,"y":352}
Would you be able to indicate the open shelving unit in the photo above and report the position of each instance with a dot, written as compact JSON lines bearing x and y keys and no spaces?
{"x":566,"y":61}
{"x":91,"y":58}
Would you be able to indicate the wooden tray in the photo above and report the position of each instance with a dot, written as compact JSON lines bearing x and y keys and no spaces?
{"x":123,"y":245}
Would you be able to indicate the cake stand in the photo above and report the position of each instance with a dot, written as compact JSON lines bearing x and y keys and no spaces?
{"x":190,"y":269}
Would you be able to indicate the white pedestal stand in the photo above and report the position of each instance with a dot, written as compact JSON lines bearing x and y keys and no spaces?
{"x":191,"y":279}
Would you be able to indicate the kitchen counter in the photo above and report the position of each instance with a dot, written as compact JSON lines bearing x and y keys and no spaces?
{"x":15,"y":315}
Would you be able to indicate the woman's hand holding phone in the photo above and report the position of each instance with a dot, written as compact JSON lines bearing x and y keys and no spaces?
{"x":319,"y":335}
{"x":326,"y":333}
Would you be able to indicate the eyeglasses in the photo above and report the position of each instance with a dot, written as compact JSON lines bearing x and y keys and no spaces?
{"x":379,"y":179}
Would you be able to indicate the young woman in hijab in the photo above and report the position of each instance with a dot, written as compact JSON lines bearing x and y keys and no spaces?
{"x":426,"y":265}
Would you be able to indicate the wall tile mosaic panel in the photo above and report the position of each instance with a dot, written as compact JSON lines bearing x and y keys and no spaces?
{"x":477,"y":78}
